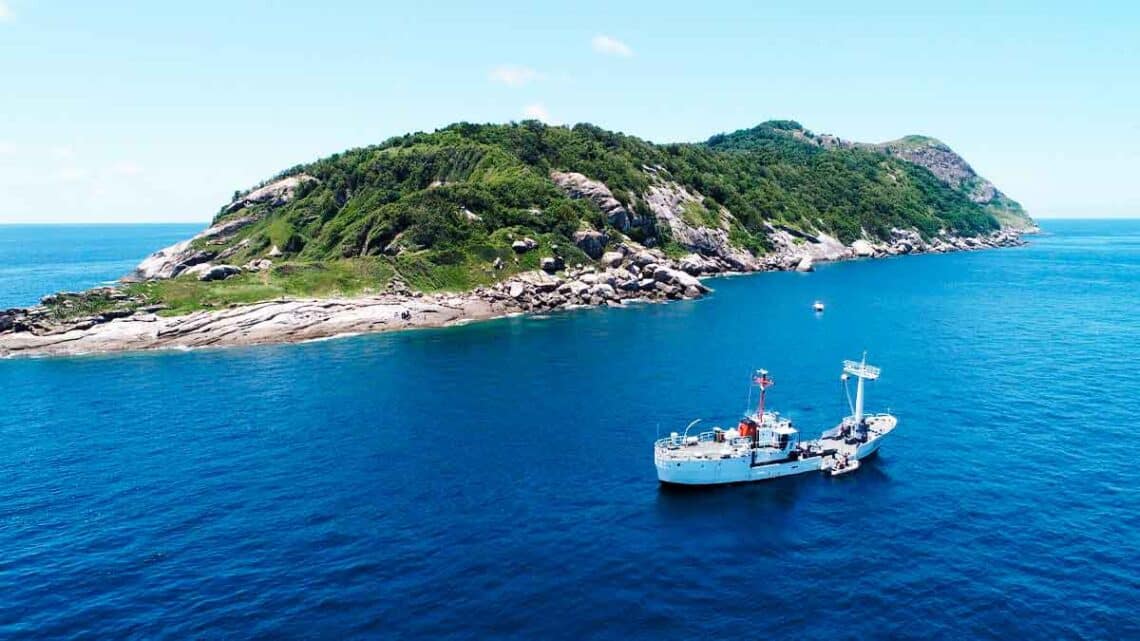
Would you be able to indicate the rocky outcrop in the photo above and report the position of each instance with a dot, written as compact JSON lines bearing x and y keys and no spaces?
{"x":579,"y":186}
{"x":592,"y":242}
{"x":669,"y":201}
{"x":274,"y":194}
{"x":171,"y":261}
{"x":862,"y":248}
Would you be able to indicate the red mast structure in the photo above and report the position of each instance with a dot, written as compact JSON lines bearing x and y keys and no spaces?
{"x":764,"y":381}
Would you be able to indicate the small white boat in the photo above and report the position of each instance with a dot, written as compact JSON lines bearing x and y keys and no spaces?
{"x":818,"y":306}
{"x":843,"y":466}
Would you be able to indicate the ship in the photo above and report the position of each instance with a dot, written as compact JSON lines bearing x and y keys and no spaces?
{"x":765,"y":445}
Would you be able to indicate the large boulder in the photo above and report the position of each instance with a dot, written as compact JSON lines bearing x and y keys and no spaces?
{"x":219,"y":272}
{"x":524,"y":245}
{"x":646,"y":257}
{"x":672,"y":276}
{"x":540,"y":280}
{"x":612,"y":259}
{"x":603,"y":290}
{"x":592,"y":242}
{"x":805,"y":265}
{"x":862,"y":248}
{"x":552,"y":264}
{"x":578,"y":288}
{"x":692,"y":264}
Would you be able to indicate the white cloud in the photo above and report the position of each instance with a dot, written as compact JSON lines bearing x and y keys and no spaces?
{"x":7,"y":148}
{"x":538,"y":111}
{"x":611,"y":46}
{"x":5,"y":11}
{"x":514,"y":76}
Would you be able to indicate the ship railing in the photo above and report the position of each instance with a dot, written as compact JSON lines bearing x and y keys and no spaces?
{"x":680,"y":440}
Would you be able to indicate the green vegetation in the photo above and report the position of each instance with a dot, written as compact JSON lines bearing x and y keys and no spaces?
{"x":440,"y":209}
{"x":451,"y":190}
{"x":331,"y":278}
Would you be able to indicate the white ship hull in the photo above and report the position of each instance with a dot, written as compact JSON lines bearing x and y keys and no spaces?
{"x":766,"y":446}
{"x":714,"y":470}
{"x":731,"y":470}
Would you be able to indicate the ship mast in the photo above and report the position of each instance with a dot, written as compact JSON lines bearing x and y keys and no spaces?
{"x":764,"y":382}
{"x":863,"y":372}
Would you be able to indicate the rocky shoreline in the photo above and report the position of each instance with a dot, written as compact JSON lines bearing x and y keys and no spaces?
{"x":632,"y":273}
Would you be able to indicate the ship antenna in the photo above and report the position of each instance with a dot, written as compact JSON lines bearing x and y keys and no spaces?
{"x":764,"y":383}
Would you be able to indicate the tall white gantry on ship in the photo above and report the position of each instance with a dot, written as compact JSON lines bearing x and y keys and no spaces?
{"x":765,"y":445}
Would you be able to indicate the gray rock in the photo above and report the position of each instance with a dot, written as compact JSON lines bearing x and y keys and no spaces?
{"x":645,"y":257}
{"x":516,"y":290}
{"x":692,"y":264}
{"x":219,"y":272}
{"x":805,"y":265}
{"x":540,"y":281}
{"x":524,"y":245}
{"x":863,"y":248}
{"x":578,"y":288}
{"x":552,"y":264}
{"x":593,"y":243}
{"x":274,"y":194}
{"x":612,"y":259}
{"x":603,"y":290}
{"x":579,"y":186}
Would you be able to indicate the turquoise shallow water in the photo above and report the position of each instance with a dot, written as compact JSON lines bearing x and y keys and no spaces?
{"x":496,"y":480}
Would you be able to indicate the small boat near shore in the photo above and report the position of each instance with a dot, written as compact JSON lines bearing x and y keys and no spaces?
{"x":765,"y":445}
{"x":817,"y":306}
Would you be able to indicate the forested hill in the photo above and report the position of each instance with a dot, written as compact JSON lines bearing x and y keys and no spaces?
{"x":459,"y":197}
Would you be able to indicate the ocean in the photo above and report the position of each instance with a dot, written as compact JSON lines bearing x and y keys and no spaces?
{"x":496,"y":480}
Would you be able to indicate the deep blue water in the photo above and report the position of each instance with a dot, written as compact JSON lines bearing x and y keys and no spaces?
{"x":42,"y":259}
{"x":496,"y":480}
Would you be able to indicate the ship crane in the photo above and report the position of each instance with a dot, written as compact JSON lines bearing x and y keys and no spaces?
{"x":864,"y":372}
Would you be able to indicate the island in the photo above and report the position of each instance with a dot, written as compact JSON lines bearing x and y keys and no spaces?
{"x":476,"y":221}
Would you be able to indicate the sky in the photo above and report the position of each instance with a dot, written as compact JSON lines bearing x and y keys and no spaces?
{"x":157,"y":112}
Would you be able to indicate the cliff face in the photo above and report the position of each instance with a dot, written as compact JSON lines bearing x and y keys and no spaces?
{"x":952,"y":169}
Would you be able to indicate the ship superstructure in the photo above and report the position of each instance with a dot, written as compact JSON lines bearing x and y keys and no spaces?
{"x":765,"y":445}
